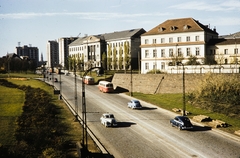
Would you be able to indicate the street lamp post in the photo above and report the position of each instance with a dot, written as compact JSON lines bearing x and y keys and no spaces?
{"x":183,"y":76}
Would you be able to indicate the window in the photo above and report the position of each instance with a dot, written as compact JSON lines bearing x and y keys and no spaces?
{"x":235,"y":51}
{"x":179,"y":39}
{"x":155,"y":65}
{"x":146,"y":41}
{"x":154,"y":41}
{"x":225,"y":51}
{"x":146,"y":54}
{"x":196,"y":38}
{"x":162,"y":52}
{"x":188,"y":38}
{"x":197,"y":51}
{"x":170,"y":40}
{"x":163,"y":66}
{"x":162,"y":40}
{"x":179,"y":51}
{"x":147,"y":66}
{"x":170,"y":52}
{"x":188,"y":52}
{"x":154,"y":53}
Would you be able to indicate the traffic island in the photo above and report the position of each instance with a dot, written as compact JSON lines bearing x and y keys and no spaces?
{"x":202,"y":118}
{"x":218,"y":124}
{"x":237,"y":132}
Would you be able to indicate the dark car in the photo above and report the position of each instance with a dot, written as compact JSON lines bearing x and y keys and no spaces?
{"x":181,"y":122}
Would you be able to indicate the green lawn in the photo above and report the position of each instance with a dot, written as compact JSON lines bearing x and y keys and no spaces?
{"x":11,"y":102}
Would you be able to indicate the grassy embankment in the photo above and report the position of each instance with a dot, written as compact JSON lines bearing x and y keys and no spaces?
{"x":12,"y":100}
{"x":170,"y":101}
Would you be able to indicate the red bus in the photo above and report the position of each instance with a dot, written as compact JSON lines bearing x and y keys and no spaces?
{"x":88,"y":80}
{"x":105,"y":86}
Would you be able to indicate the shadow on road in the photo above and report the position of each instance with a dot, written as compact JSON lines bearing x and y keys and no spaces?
{"x":125,"y":124}
{"x":200,"y":128}
{"x":147,"y":108}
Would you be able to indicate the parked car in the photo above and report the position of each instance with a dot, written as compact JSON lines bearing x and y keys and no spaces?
{"x":108,"y":120}
{"x":181,"y":122}
{"x":134,"y":104}
{"x":55,"y":80}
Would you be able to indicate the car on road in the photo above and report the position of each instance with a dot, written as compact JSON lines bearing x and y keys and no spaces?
{"x":134,"y":104}
{"x":181,"y":122}
{"x":108,"y":120}
{"x":55,"y":80}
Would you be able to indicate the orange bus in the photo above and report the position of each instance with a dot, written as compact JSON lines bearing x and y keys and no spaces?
{"x":105,"y":86}
{"x":88,"y":80}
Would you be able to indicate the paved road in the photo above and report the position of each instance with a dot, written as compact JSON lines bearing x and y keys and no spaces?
{"x":147,"y":133}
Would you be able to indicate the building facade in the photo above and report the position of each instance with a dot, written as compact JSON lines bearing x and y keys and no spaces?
{"x":28,"y":52}
{"x":174,"y":41}
{"x":63,"y":49}
{"x":112,"y":51}
{"x":52,"y":54}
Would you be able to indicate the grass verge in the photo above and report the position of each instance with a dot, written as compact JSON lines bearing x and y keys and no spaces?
{"x":170,"y":101}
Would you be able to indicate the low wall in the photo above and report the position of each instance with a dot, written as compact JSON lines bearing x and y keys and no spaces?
{"x":158,"y":83}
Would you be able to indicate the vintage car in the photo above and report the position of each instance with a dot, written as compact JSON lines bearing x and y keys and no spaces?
{"x":134,"y":104}
{"x":108,"y":120}
{"x":181,"y":122}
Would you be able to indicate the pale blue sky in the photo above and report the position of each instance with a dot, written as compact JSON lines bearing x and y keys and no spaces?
{"x":37,"y":21}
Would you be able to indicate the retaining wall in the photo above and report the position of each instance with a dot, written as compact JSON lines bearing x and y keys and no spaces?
{"x":158,"y":83}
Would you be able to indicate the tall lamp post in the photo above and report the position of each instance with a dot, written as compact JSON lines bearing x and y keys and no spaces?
{"x":183,"y":77}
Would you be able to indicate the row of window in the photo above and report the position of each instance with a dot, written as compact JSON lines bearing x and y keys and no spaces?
{"x":179,"y":52}
{"x":170,"y":40}
{"x":235,"y":51}
{"x":213,"y":51}
{"x":155,"y":66}
{"x":80,"y":48}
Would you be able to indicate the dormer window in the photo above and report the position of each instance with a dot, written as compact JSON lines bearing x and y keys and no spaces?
{"x":172,"y":28}
{"x":161,"y":29}
{"x":186,"y":27}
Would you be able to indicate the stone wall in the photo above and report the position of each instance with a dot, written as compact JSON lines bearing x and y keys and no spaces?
{"x":158,"y":83}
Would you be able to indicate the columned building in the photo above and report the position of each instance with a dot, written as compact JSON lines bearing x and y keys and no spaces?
{"x":112,"y":51}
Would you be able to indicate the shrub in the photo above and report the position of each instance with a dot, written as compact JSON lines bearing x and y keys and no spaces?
{"x":219,"y":93}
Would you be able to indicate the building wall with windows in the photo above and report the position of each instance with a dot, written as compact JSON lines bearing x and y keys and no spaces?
{"x":28,"y":51}
{"x":174,"y":41}
{"x":114,"y":45}
{"x":52,"y":53}
{"x":63,"y":49}
{"x":225,"y":51}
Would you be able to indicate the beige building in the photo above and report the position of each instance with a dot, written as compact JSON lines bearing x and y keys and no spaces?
{"x":173,"y":41}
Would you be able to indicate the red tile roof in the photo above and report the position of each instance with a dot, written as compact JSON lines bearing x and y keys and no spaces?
{"x":178,"y":26}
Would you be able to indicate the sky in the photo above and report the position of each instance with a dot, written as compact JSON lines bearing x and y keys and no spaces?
{"x":35,"y":22}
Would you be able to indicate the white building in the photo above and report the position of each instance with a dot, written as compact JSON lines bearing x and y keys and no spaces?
{"x":52,"y":53}
{"x":63,"y":49}
{"x":90,"y":51}
{"x":174,"y":41}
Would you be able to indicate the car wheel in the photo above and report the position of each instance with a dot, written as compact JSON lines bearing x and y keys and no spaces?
{"x":179,"y":128}
{"x":172,"y":124}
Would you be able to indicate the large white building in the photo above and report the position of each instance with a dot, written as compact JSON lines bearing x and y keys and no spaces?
{"x":52,"y":53}
{"x":174,"y":41}
{"x":63,"y":43}
{"x":113,"y":51}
